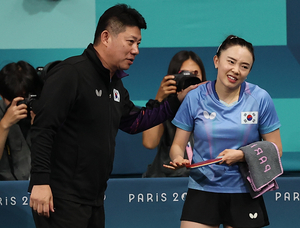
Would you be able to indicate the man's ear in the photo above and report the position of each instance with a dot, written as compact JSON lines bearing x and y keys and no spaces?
{"x":105,"y":37}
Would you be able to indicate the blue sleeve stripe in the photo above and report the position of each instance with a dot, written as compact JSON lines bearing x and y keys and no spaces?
{"x":270,"y":128}
{"x":182,"y":126}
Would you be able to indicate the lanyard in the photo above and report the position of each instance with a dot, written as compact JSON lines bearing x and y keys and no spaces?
{"x":10,"y":160}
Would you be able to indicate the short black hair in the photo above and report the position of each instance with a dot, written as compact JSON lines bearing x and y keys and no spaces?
{"x":117,"y":18}
{"x":19,"y":80}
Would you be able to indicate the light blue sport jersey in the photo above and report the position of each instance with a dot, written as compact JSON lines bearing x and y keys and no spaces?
{"x":218,"y":126}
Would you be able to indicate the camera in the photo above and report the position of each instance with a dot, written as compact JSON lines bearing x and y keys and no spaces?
{"x":184,"y":79}
{"x":28,"y":101}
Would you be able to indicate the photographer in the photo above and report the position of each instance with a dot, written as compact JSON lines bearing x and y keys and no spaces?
{"x":162,"y":135}
{"x":19,"y":85}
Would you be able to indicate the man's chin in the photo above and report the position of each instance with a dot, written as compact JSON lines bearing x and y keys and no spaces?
{"x":125,"y":67}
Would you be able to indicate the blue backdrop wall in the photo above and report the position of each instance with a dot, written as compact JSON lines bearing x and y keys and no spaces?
{"x":41,"y":31}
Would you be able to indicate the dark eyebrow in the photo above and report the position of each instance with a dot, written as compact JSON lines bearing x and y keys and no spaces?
{"x":135,"y":38}
{"x":236,"y":60}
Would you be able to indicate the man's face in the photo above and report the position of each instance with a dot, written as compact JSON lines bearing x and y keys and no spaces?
{"x":123,"y":48}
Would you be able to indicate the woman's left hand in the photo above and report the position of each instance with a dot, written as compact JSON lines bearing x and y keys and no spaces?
{"x":231,"y":156}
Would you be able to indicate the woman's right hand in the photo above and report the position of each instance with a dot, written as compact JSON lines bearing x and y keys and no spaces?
{"x":167,"y":87}
{"x":14,"y":113}
{"x":177,"y":163}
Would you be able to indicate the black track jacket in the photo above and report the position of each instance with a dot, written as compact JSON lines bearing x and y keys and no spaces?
{"x":78,"y":115}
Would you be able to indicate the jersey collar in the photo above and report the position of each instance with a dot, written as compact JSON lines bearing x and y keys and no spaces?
{"x":243,"y":86}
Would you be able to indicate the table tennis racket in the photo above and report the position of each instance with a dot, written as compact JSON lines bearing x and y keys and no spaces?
{"x":203,"y":163}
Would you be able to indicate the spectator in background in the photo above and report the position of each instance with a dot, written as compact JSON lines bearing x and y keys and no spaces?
{"x":162,"y":135}
{"x":17,"y":82}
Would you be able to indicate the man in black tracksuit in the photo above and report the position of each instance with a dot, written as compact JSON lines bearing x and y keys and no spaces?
{"x":82,"y":106}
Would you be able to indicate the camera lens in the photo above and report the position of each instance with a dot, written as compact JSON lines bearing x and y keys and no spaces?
{"x":184,"y":79}
{"x":21,"y":102}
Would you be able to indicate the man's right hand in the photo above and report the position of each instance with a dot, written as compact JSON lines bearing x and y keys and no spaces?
{"x":181,"y":95}
{"x":41,"y":200}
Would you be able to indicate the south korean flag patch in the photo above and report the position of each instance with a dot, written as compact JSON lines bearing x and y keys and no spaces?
{"x":249,"y":117}
{"x":116,"y":95}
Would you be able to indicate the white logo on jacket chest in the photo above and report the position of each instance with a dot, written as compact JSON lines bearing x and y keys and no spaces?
{"x":116,"y":95}
{"x":98,"y":92}
{"x":253,"y":216}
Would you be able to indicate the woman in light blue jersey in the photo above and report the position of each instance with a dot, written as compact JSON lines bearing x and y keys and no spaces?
{"x":225,"y":115}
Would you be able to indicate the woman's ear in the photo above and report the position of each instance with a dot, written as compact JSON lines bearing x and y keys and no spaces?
{"x":216,"y":61}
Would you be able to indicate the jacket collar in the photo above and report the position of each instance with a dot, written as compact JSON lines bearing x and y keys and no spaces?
{"x":91,"y":54}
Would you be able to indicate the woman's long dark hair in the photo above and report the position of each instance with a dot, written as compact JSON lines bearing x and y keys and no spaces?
{"x":178,"y":59}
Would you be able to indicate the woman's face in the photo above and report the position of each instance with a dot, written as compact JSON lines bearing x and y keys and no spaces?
{"x":192,"y":66}
{"x":234,"y":65}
